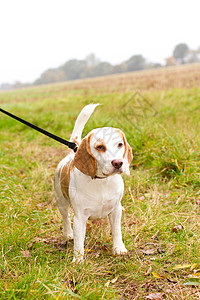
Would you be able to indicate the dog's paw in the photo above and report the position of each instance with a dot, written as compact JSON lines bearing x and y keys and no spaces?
{"x":78,"y":259}
{"x":68,"y":235}
{"x":119,"y":250}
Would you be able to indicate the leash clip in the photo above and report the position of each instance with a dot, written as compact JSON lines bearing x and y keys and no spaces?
{"x":75,"y":148}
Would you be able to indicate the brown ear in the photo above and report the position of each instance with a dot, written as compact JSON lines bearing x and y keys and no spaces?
{"x":128,"y":153}
{"x":84,"y":160}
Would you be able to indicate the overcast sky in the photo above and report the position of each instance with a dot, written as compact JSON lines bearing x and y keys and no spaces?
{"x":39,"y":34}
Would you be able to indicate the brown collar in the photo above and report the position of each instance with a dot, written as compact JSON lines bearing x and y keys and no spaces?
{"x":97,"y":177}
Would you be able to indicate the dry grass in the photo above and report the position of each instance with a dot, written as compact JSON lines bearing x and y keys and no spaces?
{"x":162,"y":192}
{"x":185,"y":76}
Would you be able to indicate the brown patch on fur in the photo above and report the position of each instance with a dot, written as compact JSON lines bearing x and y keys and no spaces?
{"x":100,"y":142}
{"x":84,"y":160}
{"x":128,"y":151}
{"x":65,"y":177}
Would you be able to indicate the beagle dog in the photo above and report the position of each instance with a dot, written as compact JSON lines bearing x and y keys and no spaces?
{"x":90,"y":180}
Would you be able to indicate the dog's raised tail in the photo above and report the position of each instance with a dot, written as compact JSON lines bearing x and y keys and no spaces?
{"x":81,"y":121}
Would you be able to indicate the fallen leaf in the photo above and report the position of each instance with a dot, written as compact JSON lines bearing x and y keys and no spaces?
{"x":193,"y":266}
{"x":155,"y":296}
{"x":148,"y":251}
{"x":195,"y":275}
{"x":114,"y":280}
{"x":88,"y":250}
{"x":158,"y":276}
{"x":193,"y":281}
{"x":177,"y":228}
{"x":182,"y":267}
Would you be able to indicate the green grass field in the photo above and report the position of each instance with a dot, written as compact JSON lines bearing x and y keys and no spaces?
{"x":161,"y":204}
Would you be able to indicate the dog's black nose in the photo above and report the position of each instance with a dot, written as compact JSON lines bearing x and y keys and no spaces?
{"x":117,"y":163}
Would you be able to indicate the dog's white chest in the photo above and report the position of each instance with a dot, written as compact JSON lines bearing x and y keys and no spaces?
{"x":102,"y":207}
{"x":98,"y":197}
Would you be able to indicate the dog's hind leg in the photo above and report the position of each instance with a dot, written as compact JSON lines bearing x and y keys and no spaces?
{"x":63,"y":206}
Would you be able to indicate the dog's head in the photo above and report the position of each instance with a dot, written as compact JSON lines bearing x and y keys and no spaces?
{"x":104,"y":152}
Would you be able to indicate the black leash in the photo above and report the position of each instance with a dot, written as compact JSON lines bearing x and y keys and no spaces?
{"x":71,"y":145}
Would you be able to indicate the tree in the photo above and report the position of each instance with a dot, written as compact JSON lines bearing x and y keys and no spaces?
{"x":73,"y":69}
{"x":91,"y":67}
{"x":121,"y":68}
{"x":180,"y":52}
{"x":136,"y":62}
{"x":50,"y":76}
{"x":103,"y":68}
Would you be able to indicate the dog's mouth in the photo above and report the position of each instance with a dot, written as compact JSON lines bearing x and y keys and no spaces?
{"x":118,"y":171}
{"x":106,"y":175}
{"x":115,"y":171}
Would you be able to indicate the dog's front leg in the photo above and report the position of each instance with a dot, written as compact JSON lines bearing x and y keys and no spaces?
{"x":115,"y":222}
{"x":79,"y":229}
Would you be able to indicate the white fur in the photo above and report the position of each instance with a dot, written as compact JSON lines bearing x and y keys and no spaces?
{"x":93,"y":198}
{"x":81,"y":121}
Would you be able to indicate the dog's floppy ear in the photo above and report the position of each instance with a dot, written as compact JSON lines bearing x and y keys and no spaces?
{"x":128,"y":156}
{"x":84,"y":160}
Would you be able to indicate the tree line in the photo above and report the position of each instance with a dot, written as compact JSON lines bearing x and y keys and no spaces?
{"x":91,"y":66}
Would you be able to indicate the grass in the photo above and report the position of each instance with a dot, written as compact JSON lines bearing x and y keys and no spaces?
{"x":162,"y":126}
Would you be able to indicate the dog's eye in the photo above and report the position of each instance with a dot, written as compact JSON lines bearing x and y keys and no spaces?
{"x":101,"y":148}
{"x":120,"y":145}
